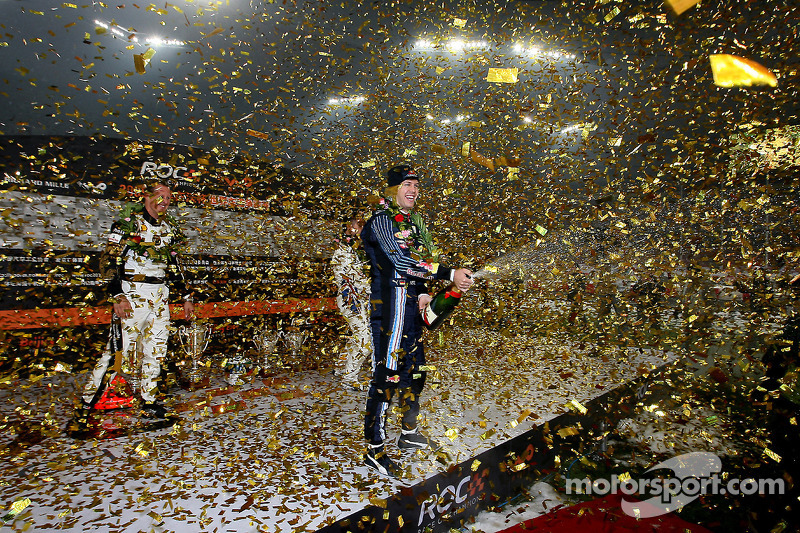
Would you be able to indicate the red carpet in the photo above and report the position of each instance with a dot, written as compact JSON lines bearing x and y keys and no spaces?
{"x":603,"y":516}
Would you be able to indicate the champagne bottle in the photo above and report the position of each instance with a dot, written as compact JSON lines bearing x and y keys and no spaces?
{"x":441,"y":306}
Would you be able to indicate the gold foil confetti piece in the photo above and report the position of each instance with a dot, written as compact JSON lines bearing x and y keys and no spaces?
{"x":378,"y":502}
{"x":216,"y":31}
{"x":451,"y":434}
{"x":523,"y":415}
{"x":459,"y":23}
{"x":679,"y":6}
{"x":613,"y":13}
{"x":502,"y":75}
{"x":566,"y":432}
{"x":17,"y":507}
{"x":474,"y":466}
{"x":258,"y":134}
{"x":734,"y":71}
{"x":139,"y":63}
{"x":772,"y":455}
{"x":142,"y":450}
{"x":577,"y":405}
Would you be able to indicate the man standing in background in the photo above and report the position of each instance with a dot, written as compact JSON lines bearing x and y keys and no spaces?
{"x":352,"y":297}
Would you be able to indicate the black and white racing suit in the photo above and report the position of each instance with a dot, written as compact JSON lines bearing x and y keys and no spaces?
{"x":143,"y":281}
{"x":352,"y":298}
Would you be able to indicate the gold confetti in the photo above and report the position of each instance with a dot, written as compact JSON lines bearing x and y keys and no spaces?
{"x":578,"y":406}
{"x":502,"y":75}
{"x":772,"y":455}
{"x":566,"y":432}
{"x":734,"y":71}
{"x":378,"y":502}
{"x":679,"y":6}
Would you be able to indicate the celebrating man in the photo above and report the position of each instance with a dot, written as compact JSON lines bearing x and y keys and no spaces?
{"x":403,"y":258}
{"x":140,"y":257}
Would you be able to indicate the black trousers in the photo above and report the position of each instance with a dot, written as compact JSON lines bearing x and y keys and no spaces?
{"x":397,"y":359}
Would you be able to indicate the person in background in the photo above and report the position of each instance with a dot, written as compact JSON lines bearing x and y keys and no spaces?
{"x":352,"y":298}
{"x":140,"y":258}
{"x":402,"y":258}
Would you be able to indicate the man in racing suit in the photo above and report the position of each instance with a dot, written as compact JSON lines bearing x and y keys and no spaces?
{"x":403,"y":258}
{"x":140,"y":257}
{"x":352,"y":297}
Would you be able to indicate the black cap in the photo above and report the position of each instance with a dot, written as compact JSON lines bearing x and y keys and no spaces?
{"x":398,"y":174}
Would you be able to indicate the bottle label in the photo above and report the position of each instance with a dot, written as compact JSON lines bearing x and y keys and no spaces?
{"x":428,"y":316}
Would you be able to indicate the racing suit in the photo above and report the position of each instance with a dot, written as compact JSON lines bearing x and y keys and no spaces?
{"x":352,"y":297}
{"x":140,"y":258}
{"x":398,"y":358}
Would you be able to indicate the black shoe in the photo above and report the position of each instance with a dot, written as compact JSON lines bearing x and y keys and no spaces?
{"x":377,"y":458}
{"x":80,"y":417}
{"x":153,"y":410}
{"x":416,"y":440}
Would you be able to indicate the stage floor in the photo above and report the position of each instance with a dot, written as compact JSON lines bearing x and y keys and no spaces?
{"x":284,"y":452}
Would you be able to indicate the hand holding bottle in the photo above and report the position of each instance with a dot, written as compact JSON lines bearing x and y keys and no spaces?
{"x":424,"y":300}
{"x":462,"y":279}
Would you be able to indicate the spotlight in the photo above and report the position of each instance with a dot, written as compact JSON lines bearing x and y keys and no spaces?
{"x":456,"y":45}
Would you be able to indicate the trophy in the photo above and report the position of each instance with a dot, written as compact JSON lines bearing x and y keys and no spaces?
{"x":294,"y":338}
{"x":236,"y":369}
{"x":194,"y":340}
{"x":266,"y":341}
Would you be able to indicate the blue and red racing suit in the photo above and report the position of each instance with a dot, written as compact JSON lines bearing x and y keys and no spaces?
{"x":398,"y":279}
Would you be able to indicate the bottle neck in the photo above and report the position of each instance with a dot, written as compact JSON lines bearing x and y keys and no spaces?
{"x":453,"y":291}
